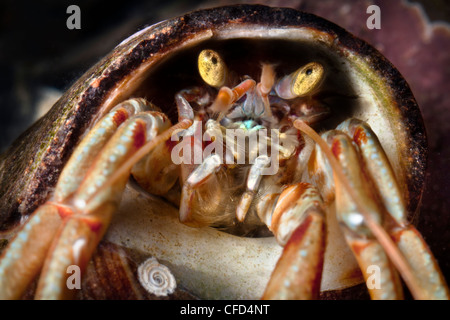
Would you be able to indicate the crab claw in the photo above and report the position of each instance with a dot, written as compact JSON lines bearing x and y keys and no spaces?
{"x":298,"y":223}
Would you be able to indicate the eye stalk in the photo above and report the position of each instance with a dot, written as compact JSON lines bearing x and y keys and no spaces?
{"x":212,"y":68}
{"x":305,"y":81}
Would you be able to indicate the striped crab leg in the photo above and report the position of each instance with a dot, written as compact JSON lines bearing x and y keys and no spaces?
{"x":410,"y":255}
{"x":367,"y":250}
{"x":404,"y":234}
{"x":86,"y":217}
{"x":84,"y":202}
{"x":15,"y":275}
{"x":226,"y":96}
{"x":297,"y":219}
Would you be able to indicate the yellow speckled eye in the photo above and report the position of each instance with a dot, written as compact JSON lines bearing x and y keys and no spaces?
{"x":307,"y":78}
{"x":212,"y":68}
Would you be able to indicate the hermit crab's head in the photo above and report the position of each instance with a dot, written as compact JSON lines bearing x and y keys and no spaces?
{"x":262,"y":96}
{"x":304,"y":81}
{"x":309,"y":57}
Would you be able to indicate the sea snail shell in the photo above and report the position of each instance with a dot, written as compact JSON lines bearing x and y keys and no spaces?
{"x":156,"y":278}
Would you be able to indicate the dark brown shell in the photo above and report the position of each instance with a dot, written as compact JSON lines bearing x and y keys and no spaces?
{"x":29,"y":169}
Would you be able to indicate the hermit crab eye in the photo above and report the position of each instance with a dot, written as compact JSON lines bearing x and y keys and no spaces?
{"x":301,"y":82}
{"x":212,"y":68}
{"x":307,"y":78}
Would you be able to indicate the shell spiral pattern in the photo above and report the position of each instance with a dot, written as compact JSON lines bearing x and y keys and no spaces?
{"x":156,"y":278}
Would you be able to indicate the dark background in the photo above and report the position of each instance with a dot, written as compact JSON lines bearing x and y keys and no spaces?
{"x":39,"y":54}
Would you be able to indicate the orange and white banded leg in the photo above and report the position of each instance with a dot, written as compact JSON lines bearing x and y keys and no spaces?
{"x":404,"y":234}
{"x":226,"y":96}
{"x":80,"y":210}
{"x":296,"y":218}
{"x":265,"y":85}
{"x":22,"y":260}
{"x":368,"y":251}
{"x":89,"y":210}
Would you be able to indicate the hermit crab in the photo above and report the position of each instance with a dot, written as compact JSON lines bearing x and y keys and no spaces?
{"x":213,"y":113}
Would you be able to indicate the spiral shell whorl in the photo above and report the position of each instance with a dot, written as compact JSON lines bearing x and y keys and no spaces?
{"x":156,"y":278}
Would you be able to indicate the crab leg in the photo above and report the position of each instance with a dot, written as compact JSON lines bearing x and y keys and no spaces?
{"x":226,"y":96}
{"x":82,"y":157}
{"x":367,"y":250}
{"x":265,"y":86}
{"x":86,"y":218}
{"x":199,"y":180}
{"x":15,"y":274}
{"x":298,"y":223}
{"x":44,"y":223}
{"x":183,"y":99}
{"x":408,"y":239}
{"x":253,"y":181}
{"x":156,"y":173}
